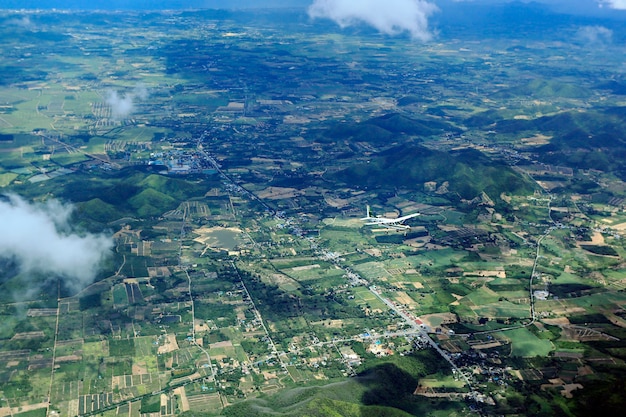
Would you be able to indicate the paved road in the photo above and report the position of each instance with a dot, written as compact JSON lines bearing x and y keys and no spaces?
{"x":422,"y":332}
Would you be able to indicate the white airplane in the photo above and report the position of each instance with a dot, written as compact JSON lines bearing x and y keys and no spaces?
{"x":387,"y":222}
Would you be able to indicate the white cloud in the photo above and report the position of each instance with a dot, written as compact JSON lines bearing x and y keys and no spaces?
{"x":613,"y":4}
{"x":23,"y":22}
{"x":40,"y":238}
{"x":387,"y":16}
{"x":123,"y":106}
{"x":140,"y":91}
{"x":595,"y":35}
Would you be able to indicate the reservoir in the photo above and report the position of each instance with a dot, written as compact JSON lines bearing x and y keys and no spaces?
{"x":220,"y":237}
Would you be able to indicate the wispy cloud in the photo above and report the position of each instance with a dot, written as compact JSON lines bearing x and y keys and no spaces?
{"x":40,"y":238}
{"x":23,"y":22}
{"x":595,"y":35}
{"x":389,"y":16}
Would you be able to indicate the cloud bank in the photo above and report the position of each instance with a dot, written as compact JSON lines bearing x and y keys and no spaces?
{"x":40,"y":238}
{"x":123,"y":106}
{"x":391,"y":17}
{"x":614,"y":4}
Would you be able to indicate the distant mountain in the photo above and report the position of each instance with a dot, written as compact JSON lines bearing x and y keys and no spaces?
{"x":615,"y":87}
{"x":542,"y":19}
{"x":468,"y":172}
{"x":149,"y":4}
{"x":543,"y":89}
{"x":390,"y":126}
{"x":580,"y":139}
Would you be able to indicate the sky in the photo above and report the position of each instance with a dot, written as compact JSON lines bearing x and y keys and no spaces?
{"x":392,"y":17}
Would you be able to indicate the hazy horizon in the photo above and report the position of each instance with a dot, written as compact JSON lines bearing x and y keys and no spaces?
{"x":421,"y":12}
{"x":560,"y":5}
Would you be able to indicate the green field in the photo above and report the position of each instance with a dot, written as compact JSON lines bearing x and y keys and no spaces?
{"x":507,"y":138}
{"x":503,"y":310}
{"x":483,"y":296}
{"x":34,"y":413}
{"x":364,"y":297}
{"x":526,"y":344}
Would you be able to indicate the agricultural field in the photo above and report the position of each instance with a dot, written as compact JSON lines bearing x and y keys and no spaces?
{"x":241,"y":213}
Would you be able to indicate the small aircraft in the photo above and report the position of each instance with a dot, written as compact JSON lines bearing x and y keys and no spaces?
{"x":396,"y":223}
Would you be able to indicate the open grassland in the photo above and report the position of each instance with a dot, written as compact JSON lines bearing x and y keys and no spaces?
{"x":67,"y":159}
{"x":364,"y":297}
{"x":526,"y":344}
{"x":342,"y":241}
{"x":41,"y":412}
{"x":7,"y":178}
{"x":436,"y":258}
{"x":483,"y":296}
{"x":95,"y":146}
{"x":372,"y":271}
{"x":445,"y":382}
{"x":503,"y":310}
{"x":313,"y":274}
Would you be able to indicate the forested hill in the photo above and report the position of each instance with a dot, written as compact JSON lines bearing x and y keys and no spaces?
{"x":468,"y":172}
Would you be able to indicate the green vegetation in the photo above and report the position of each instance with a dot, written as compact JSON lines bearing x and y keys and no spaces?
{"x":600,"y":250}
{"x":151,"y":404}
{"x":468,"y":172}
{"x":524,"y":343}
{"x":122,"y":347}
{"x":387,"y":128}
{"x":384,"y":387}
{"x":241,"y":271}
{"x":34,"y":413}
{"x":546,"y":89}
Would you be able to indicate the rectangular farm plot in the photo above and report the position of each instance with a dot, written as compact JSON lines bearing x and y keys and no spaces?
{"x":124,"y":347}
{"x":364,"y":297}
{"x":403,"y":298}
{"x":7,"y":178}
{"x":145,"y":346}
{"x":296,"y":374}
{"x":430,"y":302}
{"x":94,"y":402}
{"x":222,"y":350}
{"x":119,"y":295}
{"x":373,"y":271}
{"x":68,"y":158}
{"x":482,"y":296}
{"x":143,"y":382}
{"x":503,"y":310}
{"x":314,"y":272}
{"x":526,"y":344}
{"x":343,"y":240}
{"x":204,"y":402}
{"x":95,"y":349}
{"x":436,"y":258}
{"x":240,"y":353}
{"x":116,"y":367}
{"x":63,"y":391}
